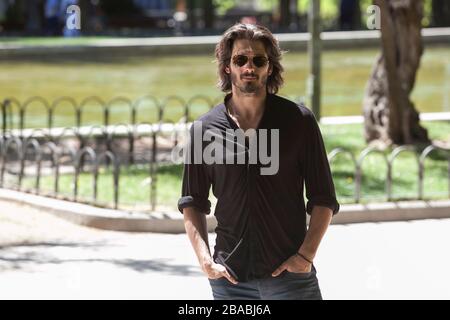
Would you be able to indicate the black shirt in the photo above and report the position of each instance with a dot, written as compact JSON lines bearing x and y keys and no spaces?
{"x":261,"y":218}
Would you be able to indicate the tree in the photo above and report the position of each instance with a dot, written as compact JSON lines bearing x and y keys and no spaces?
{"x":208,"y":13}
{"x":33,"y":25}
{"x":349,"y":15}
{"x":389,"y":114}
{"x":285,"y":13}
{"x":440,"y":13}
{"x":288,"y":16}
{"x":190,"y":4}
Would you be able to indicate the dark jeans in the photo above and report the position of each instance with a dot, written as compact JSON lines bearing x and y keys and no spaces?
{"x":287,"y":286}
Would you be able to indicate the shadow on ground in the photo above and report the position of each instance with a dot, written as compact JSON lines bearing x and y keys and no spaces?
{"x":29,"y":257}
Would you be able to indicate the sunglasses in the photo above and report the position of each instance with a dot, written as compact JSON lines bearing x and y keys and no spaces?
{"x":241,"y":60}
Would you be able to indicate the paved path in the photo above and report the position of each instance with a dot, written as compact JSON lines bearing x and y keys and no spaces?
{"x":44,"y":257}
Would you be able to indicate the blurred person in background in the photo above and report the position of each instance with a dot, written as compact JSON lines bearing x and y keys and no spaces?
{"x":51,"y":13}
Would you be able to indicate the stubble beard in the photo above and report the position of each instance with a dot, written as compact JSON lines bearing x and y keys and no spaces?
{"x":249,"y":88}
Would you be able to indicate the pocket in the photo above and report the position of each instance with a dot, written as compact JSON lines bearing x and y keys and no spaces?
{"x":298,"y":275}
{"x":214,"y":281}
{"x":221,"y":260}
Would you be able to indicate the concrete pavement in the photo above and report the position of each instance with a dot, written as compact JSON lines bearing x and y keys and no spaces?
{"x":44,"y":257}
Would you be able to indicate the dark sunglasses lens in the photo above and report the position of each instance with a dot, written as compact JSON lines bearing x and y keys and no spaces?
{"x":259,"y":61}
{"x":240,"y":60}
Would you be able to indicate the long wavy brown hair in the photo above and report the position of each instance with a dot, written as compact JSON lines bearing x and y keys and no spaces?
{"x":255,"y":33}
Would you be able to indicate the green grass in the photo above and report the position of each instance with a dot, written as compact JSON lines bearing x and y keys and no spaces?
{"x":135,"y":189}
{"x":345,"y":74}
{"x":134,"y":186}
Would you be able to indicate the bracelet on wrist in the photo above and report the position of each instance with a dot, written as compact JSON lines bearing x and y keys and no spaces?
{"x":304,"y":258}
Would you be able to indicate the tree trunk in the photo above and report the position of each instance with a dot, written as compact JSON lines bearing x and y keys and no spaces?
{"x":349,"y":15}
{"x":33,"y":25}
{"x":191,"y":14}
{"x":285,"y":13}
{"x":440,"y":13}
{"x":208,"y":14}
{"x":87,"y":13}
{"x":389,"y":114}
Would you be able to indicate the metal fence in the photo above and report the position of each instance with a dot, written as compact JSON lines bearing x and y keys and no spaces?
{"x":89,"y":149}
{"x":389,"y":161}
{"x":11,"y":108}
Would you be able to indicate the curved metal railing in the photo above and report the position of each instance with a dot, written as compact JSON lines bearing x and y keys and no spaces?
{"x":147,"y":135}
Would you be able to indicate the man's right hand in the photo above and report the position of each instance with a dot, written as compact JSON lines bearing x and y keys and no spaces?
{"x":215,"y":271}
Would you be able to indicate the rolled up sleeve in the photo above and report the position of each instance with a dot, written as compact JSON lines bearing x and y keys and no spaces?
{"x":196,"y":183}
{"x":316,"y":169}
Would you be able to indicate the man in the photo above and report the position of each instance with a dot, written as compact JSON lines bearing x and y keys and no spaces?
{"x":263,"y":249}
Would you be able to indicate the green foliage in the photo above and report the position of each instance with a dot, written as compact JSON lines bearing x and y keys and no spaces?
{"x":223,"y":5}
{"x":427,"y":13}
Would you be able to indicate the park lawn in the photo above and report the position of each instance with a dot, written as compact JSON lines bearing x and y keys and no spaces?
{"x":135,"y":187}
{"x":345,"y":74}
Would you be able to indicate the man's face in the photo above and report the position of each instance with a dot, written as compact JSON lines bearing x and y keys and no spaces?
{"x":249,"y":66}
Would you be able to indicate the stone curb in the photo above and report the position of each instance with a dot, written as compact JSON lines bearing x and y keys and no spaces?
{"x":101,"y":218}
{"x":172,"y":222}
